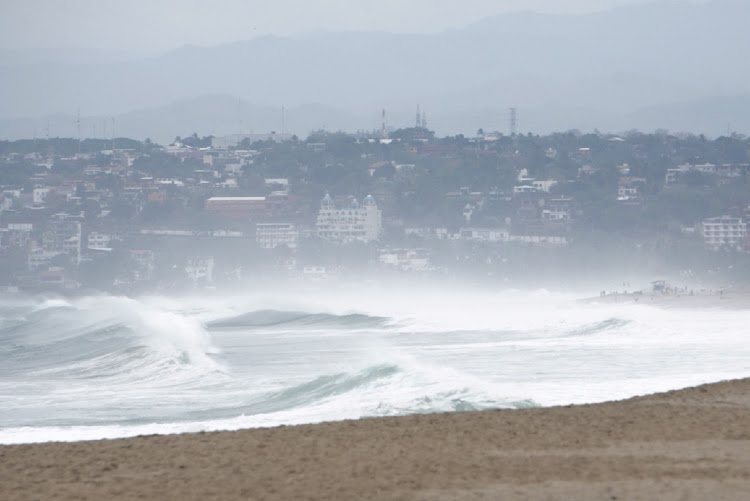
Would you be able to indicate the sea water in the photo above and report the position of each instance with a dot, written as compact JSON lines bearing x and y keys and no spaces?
{"x":106,"y":367}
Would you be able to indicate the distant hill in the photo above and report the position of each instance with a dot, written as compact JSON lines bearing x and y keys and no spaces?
{"x":628,"y":66}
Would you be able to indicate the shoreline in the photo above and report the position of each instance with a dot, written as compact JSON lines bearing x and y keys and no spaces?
{"x":683,"y":444}
{"x":704,"y":300}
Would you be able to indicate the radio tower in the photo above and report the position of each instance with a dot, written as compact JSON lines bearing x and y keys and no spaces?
{"x":382,"y":130}
{"x":78,"y":126}
{"x":513,"y":122}
{"x":419,"y":118}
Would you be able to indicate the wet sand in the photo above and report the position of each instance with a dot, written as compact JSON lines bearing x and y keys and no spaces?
{"x":687,"y":444}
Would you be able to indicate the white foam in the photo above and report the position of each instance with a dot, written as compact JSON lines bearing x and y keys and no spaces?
{"x":451,"y":348}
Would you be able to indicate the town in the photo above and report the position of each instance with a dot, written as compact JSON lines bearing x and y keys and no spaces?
{"x":128,"y":216}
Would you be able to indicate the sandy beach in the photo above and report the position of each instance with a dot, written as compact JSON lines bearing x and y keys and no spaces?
{"x":687,"y":444}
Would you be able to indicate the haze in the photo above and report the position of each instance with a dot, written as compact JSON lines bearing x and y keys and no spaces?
{"x":147,"y":25}
{"x":159,"y":70}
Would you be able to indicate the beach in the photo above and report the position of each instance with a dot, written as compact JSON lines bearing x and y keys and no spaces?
{"x":686,"y":444}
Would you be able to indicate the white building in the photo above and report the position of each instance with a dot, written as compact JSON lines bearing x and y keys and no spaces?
{"x":544,"y":185}
{"x":99,"y":241}
{"x":357,"y":222}
{"x":40,"y":195}
{"x":270,"y":235}
{"x":200,"y":270}
{"x":485,"y":234}
{"x":37,"y":258}
{"x":64,"y":235}
{"x":558,"y":209}
{"x":724,"y":232}
{"x":17,"y":235}
{"x":407,"y":259}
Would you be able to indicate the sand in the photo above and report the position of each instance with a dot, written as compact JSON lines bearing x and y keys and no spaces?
{"x":687,"y":444}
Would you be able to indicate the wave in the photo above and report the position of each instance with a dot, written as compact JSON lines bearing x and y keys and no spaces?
{"x":378,"y":390}
{"x":280,"y":318}
{"x":99,"y":337}
{"x":609,"y":324}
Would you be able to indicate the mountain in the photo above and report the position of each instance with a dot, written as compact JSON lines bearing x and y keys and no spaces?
{"x":597,"y":69}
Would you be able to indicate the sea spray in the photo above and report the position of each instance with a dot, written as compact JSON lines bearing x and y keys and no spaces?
{"x":107,"y":366}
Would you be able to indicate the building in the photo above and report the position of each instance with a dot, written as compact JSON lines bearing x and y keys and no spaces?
{"x":64,"y":235}
{"x":237,"y":207}
{"x":355,"y":223}
{"x":417,"y":259}
{"x":558,"y":209}
{"x":40,"y":195}
{"x":271,"y":235}
{"x":485,"y":234}
{"x":144,"y":261}
{"x":200,"y":270}
{"x":18,"y":235}
{"x":99,"y":241}
{"x":543,"y":185}
{"x":724,"y":232}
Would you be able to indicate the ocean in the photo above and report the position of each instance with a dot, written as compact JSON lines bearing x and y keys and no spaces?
{"x":98,"y":367}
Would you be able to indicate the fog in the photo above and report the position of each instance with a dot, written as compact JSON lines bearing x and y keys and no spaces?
{"x":570,"y":65}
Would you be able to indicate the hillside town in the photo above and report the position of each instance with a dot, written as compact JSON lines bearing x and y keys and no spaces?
{"x":130,"y":216}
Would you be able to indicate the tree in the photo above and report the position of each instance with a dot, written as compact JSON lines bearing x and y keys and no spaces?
{"x":412,"y":134}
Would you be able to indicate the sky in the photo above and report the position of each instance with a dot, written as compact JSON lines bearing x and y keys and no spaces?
{"x":159,"y":25}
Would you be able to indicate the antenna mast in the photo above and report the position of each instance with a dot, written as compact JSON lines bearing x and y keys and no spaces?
{"x":78,"y":127}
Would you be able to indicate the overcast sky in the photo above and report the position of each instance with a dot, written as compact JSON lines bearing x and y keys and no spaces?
{"x":156,"y":25}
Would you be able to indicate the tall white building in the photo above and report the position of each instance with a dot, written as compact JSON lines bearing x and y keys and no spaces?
{"x":270,"y":235}
{"x":355,"y":223}
{"x":64,"y":235}
{"x":724,"y":232}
